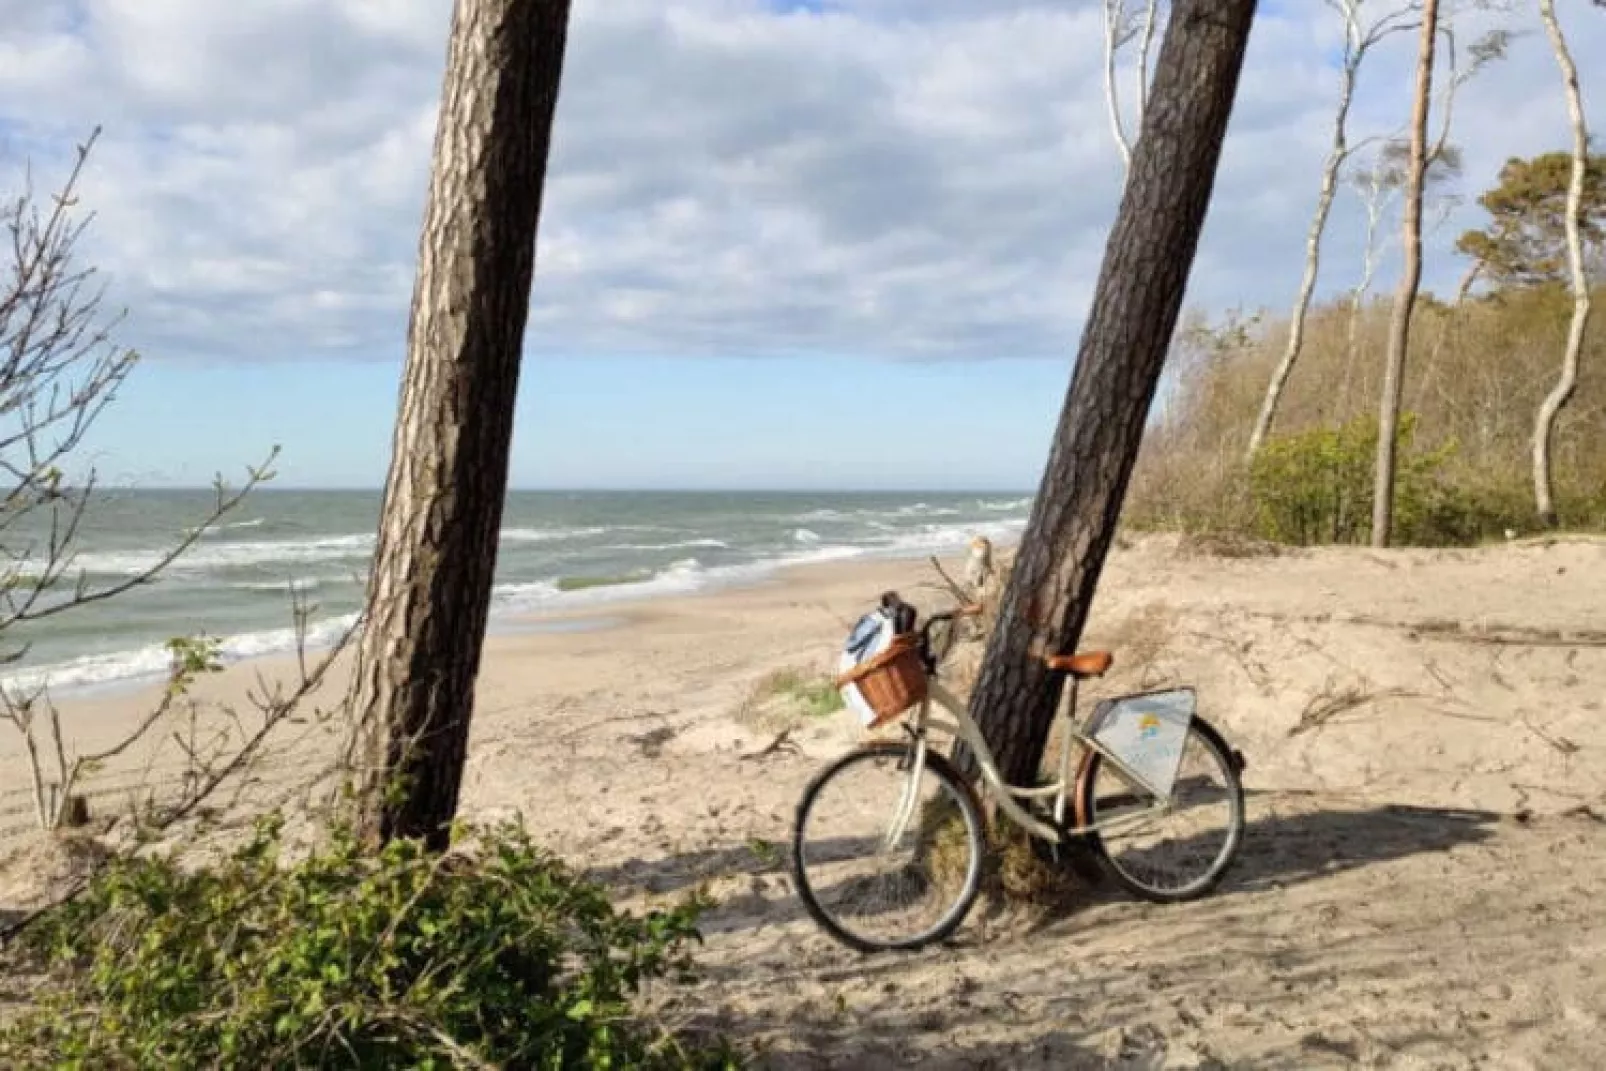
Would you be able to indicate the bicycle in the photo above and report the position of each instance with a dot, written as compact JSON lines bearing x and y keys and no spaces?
{"x":1134,"y":751}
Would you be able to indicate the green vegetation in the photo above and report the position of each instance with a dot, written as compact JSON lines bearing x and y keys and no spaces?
{"x":581,"y":583}
{"x":815,"y":696}
{"x":1524,"y":242}
{"x":1476,"y":374}
{"x":1315,"y":486}
{"x":488,"y":955}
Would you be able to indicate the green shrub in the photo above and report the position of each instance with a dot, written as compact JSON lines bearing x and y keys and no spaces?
{"x":491,"y":955}
{"x":1315,"y":487}
{"x":811,"y":694}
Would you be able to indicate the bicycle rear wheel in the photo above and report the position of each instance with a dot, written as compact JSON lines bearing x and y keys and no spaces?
{"x":883,"y":860}
{"x":1181,"y":852}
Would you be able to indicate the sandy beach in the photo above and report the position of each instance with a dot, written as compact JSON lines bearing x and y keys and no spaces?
{"x":1419,"y":886}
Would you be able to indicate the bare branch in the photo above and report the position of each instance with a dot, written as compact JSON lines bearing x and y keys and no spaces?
{"x":1359,"y":38}
{"x":1150,"y":20}
{"x":1115,"y":36}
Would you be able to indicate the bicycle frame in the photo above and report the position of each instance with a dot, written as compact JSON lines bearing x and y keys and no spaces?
{"x":1006,"y":794}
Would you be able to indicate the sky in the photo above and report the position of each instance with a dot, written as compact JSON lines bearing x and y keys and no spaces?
{"x":843,"y":244}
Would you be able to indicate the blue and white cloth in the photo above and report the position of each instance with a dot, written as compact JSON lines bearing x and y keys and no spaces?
{"x":870,"y":636}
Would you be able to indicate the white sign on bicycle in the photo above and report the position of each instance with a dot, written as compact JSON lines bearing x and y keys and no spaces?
{"x":1147,"y":733}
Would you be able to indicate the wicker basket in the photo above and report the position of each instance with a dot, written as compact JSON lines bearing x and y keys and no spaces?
{"x":892,"y":681}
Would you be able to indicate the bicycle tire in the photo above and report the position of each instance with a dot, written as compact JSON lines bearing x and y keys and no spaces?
{"x":1229,"y":763}
{"x":959,"y":790}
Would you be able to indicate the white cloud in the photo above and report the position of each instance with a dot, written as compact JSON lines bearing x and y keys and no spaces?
{"x":892,"y":178}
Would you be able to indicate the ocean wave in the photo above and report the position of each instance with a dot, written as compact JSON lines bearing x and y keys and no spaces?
{"x":1009,"y":506}
{"x":921,"y":509}
{"x":280,"y":587}
{"x":690,"y":576}
{"x":213,"y":556}
{"x":803,"y":535}
{"x":939,"y":537}
{"x":230,"y":526}
{"x":155,"y":660}
{"x":549,"y":535}
{"x":685,"y":576}
{"x":236,"y":554}
{"x":687,"y":544}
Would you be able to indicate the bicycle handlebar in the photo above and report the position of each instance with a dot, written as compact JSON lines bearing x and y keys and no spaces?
{"x":968,"y":610}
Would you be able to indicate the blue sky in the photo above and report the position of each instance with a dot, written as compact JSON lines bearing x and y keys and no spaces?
{"x":784,"y":244}
{"x":611,"y":423}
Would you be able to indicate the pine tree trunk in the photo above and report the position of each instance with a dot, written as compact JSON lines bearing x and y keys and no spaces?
{"x":429,"y":592}
{"x":1562,"y":392}
{"x":1123,"y":350}
{"x":1410,"y":280}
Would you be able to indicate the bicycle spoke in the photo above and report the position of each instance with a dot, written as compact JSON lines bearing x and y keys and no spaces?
{"x":886,"y":858}
{"x":1177,"y":849}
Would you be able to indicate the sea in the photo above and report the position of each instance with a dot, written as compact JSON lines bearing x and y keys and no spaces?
{"x":561,"y":553}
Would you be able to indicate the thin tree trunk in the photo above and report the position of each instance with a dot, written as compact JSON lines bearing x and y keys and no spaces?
{"x":1430,"y":378}
{"x":430,"y":589}
{"x":1122,"y":354}
{"x":1410,"y":281}
{"x":1545,"y":423}
{"x":1354,"y":51}
{"x":1468,"y":277}
{"x":1375,"y":194}
{"x":1145,"y":47}
{"x":1114,"y":10}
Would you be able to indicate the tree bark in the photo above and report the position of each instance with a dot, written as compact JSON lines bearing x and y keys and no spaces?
{"x":1562,"y":392}
{"x":429,"y":594}
{"x":1410,"y":281}
{"x":1123,"y":351}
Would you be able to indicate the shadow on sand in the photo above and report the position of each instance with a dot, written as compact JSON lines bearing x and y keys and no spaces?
{"x":1278,"y":851}
{"x":1094,"y":1014}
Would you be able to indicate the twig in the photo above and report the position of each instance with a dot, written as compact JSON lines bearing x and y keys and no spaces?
{"x":1324,"y":706}
{"x":1560,"y":743}
{"x":953,"y":588}
{"x":782,"y":742}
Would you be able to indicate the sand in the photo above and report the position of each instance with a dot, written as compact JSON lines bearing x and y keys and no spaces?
{"x":1420,"y":886}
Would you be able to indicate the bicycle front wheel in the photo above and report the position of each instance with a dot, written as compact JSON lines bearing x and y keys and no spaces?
{"x":1175,"y":851}
{"x":885,"y":857}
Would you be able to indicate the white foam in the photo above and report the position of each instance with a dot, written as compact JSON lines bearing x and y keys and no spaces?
{"x":922,"y":509}
{"x":296,"y":584}
{"x":687,"y":544}
{"x":937,"y":537}
{"x":210,"y":557}
{"x":1010,"y":506}
{"x":216,"y":529}
{"x":548,"y":535}
{"x":154,"y":660}
{"x":683,"y":577}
